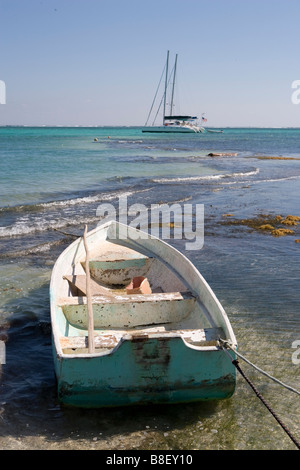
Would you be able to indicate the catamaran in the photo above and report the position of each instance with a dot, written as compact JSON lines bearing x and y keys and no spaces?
{"x":171,"y":123}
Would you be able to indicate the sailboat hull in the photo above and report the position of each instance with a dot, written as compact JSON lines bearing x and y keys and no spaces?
{"x":173,"y":130}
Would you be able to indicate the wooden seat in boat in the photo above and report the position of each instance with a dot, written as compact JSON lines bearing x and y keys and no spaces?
{"x":116,"y":264}
{"x":123,"y":311}
{"x":79,"y":282}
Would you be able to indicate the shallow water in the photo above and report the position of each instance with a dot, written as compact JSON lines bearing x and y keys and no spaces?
{"x":55,"y":179}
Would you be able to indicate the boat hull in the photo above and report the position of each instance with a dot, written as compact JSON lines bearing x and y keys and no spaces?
{"x":152,"y":348}
{"x":172,"y":130}
{"x":144,"y":371}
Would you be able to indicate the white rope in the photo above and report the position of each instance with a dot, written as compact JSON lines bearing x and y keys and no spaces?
{"x":226,"y":344}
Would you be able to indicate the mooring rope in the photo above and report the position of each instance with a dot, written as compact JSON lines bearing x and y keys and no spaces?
{"x":224,"y":345}
{"x":227,"y":345}
{"x":66,"y":233}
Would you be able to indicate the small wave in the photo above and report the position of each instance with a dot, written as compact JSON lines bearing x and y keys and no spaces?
{"x":27,"y":227}
{"x":96,"y":198}
{"x":206,"y":178}
{"x":70,"y":202}
{"x":41,"y":248}
{"x":130,"y":141}
{"x":59,"y":219}
{"x":86,"y":200}
{"x":271,"y":180}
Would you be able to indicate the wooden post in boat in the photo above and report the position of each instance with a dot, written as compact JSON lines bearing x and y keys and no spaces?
{"x":91,"y":341}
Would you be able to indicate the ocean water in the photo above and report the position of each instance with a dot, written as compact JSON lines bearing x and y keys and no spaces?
{"x":53,"y":181}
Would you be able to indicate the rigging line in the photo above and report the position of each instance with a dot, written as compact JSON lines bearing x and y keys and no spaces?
{"x":226,"y":344}
{"x":166,"y":87}
{"x":163,"y":96}
{"x":173,"y":87}
{"x":155,"y":95}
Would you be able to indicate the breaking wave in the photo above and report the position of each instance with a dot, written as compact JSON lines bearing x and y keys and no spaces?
{"x":188,"y":179}
{"x":57,"y":214}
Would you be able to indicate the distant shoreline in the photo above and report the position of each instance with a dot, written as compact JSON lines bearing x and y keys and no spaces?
{"x":79,"y":126}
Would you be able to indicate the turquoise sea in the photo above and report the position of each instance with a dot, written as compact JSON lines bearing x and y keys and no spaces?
{"x":52,"y":182}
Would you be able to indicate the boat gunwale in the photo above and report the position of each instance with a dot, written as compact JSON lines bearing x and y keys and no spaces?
{"x":128,"y":337}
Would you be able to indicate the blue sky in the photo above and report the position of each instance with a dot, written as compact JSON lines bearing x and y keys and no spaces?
{"x":98,"y":62}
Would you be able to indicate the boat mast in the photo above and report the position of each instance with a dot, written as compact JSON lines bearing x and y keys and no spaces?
{"x":172,"y":99}
{"x":166,"y":85}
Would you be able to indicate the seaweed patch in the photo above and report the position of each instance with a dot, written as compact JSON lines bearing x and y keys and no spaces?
{"x":267,"y":224}
{"x":263,"y":157}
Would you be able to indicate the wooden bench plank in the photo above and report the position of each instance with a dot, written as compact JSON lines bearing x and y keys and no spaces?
{"x":124,"y":311}
{"x":101,"y":341}
{"x":126,"y":298}
{"x":118,"y":265}
{"x":79,"y":281}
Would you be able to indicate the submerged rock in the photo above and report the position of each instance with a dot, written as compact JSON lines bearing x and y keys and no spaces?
{"x":213,"y":154}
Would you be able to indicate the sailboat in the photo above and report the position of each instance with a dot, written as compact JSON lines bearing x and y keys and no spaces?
{"x":172,"y":123}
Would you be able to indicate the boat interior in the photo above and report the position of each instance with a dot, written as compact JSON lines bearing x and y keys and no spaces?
{"x":134,"y":295}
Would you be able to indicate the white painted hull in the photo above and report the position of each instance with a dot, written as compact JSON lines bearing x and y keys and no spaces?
{"x":174,"y":129}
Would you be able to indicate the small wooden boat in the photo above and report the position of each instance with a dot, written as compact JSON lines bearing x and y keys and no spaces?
{"x":139,"y":346}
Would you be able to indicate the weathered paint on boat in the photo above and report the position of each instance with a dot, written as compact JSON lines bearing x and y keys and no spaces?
{"x":156,"y":348}
{"x":150,"y":370}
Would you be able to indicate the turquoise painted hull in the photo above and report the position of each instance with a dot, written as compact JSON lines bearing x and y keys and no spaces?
{"x":143,"y":372}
